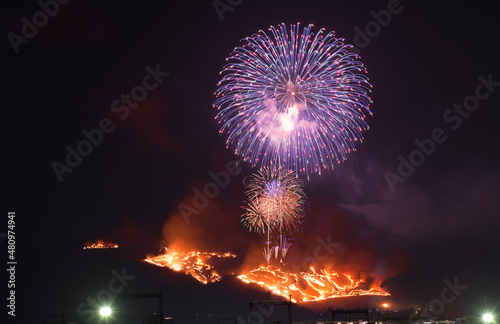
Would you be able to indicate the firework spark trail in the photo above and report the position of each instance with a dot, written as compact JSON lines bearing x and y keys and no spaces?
{"x":254,"y":218}
{"x":293,"y":98}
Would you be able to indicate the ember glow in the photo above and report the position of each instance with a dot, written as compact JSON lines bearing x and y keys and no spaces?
{"x":304,"y":286}
{"x":196,"y":264}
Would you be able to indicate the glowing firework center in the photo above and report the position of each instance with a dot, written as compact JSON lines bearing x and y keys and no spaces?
{"x":274,"y":188}
{"x":290,"y":117}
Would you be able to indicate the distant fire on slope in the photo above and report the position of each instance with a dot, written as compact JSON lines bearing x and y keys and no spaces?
{"x":100,"y":245}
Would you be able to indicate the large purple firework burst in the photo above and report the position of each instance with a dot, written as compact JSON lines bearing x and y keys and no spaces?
{"x":293,"y":98}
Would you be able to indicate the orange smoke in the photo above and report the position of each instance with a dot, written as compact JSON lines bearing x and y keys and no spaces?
{"x":332,"y":255}
{"x":200,"y":223}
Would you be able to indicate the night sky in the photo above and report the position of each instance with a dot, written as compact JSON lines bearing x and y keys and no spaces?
{"x":436,"y":80}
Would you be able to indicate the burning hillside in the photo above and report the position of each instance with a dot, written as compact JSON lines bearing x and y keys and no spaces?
{"x":306,"y":286}
{"x":196,"y":264}
{"x":303,"y":286}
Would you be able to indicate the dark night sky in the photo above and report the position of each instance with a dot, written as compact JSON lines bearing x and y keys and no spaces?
{"x":441,"y":223}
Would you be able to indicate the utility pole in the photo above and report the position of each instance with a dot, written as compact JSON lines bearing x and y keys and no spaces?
{"x":262,"y":304}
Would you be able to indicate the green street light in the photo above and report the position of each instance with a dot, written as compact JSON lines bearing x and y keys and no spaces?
{"x":105,"y":311}
{"x":488,"y":318}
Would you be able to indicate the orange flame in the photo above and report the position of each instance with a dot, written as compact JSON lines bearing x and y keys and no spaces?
{"x":308,"y":286}
{"x":195,"y":264}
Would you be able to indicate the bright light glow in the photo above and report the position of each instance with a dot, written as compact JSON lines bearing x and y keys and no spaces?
{"x":289,"y":119}
{"x":385,"y":305}
{"x":105,"y":311}
{"x":287,"y":123}
{"x":487,"y":318}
